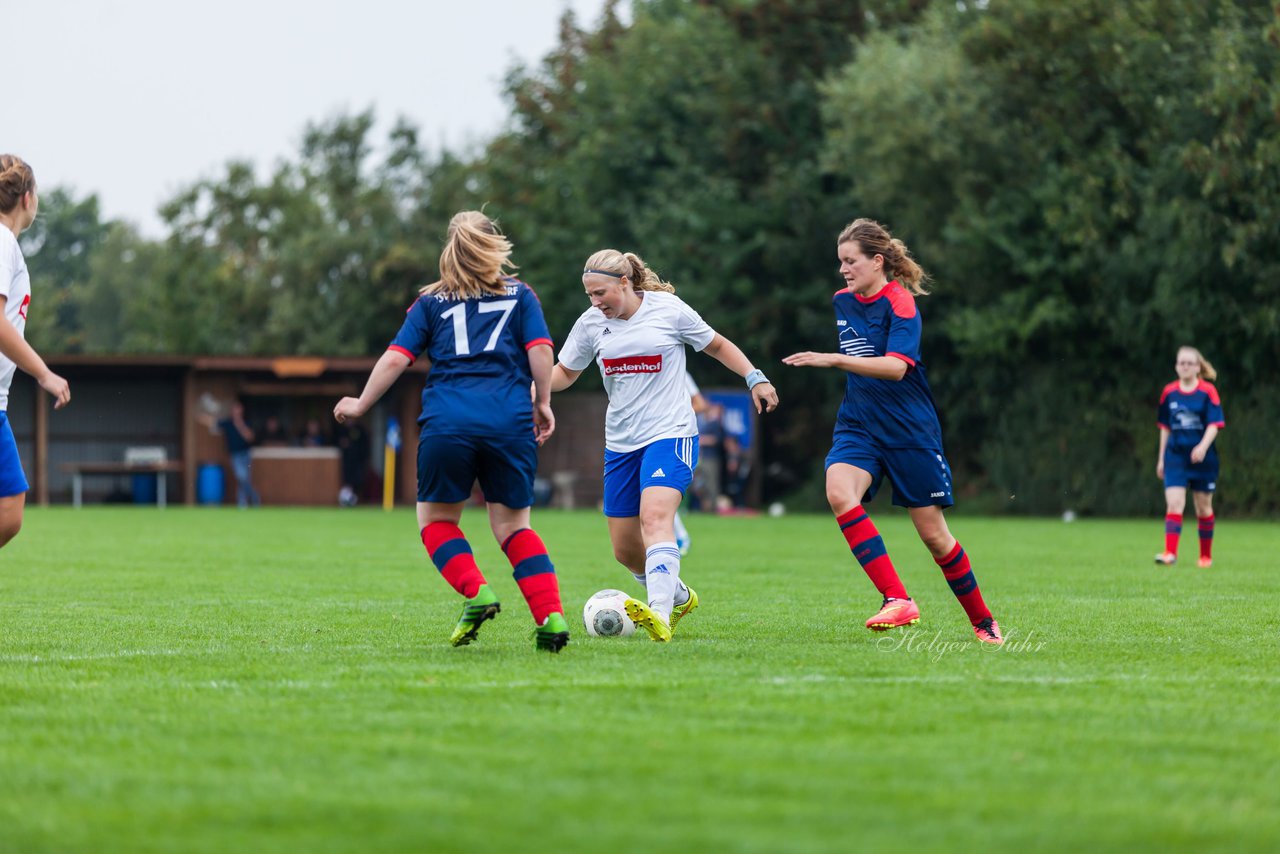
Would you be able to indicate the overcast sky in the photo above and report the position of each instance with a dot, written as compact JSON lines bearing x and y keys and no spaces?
{"x":134,"y":99}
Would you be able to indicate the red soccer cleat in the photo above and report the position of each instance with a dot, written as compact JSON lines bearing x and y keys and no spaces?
{"x":894,"y":613}
{"x":1205,"y":562}
{"x":988,"y":631}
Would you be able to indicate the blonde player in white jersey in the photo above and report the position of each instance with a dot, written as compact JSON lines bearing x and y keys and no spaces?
{"x":636,"y":331}
{"x":18,"y":205}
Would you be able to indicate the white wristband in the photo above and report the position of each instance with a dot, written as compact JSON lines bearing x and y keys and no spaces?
{"x":755,"y":378}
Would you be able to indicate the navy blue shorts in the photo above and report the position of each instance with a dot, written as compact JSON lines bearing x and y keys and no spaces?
{"x":1198,"y":477}
{"x":449,"y":465}
{"x":666,"y":462}
{"x":12,"y":479}
{"x":921,"y":477}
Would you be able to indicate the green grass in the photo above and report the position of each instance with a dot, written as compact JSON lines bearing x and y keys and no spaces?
{"x":209,"y":680}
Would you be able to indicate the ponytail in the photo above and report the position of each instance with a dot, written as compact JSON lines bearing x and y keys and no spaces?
{"x":874,"y":239}
{"x":474,"y":259}
{"x":16,"y":180}
{"x":611,"y":262}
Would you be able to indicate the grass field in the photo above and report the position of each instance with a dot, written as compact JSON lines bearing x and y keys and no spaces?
{"x":205,"y":680}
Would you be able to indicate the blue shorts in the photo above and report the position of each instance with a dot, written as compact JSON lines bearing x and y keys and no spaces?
{"x":12,"y":479}
{"x":1198,"y":477}
{"x":666,"y":462}
{"x":921,"y":477}
{"x":449,"y":465}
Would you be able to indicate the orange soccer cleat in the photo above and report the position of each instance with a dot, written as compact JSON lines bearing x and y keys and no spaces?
{"x":988,"y":631}
{"x":894,"y":613}
{"x":1204,"y":562}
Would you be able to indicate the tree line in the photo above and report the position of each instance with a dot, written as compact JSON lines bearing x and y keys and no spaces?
{"x":1090,"y":184}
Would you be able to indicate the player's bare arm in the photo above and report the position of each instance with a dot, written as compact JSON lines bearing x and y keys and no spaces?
{"x":724,"y":351}
{"x":541,"y":365}
{"x":18,"y":351}
{"x":562,"y":377}
{"x":388,"y":369}
{"x":876,"y":367}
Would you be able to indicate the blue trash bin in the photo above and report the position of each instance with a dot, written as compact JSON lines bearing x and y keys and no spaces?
{"x":144,"y":488}
{"x":211,"y":484}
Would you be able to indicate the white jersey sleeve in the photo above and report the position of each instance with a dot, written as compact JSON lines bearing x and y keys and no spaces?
{"x":15,"y":287}
{"x":579,"y":348}
{"x":693,"y":330}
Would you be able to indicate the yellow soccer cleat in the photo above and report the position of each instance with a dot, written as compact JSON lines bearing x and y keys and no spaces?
{"x":681,"y":610}
{"x":648,"y":619}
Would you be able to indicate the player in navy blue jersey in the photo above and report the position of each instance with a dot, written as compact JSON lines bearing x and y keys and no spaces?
{"x":487,"y":342}
{"x":1190,"y":417}
{"x":887,"y":425}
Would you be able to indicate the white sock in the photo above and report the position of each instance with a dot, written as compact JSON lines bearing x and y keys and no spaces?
{"x":640,"y":579}
{"x":682,"y":593}
{"x":662,"y":576}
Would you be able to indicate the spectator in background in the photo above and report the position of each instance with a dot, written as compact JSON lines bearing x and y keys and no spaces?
{"x":273,"y":434}
{"x":353,"y":443}
{"x":239,"y":437}
{"x":313,"y":435}
{"x":707,"y":477}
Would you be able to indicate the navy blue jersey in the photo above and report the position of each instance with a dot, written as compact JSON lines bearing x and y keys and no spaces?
{"x":479,"y":379}
{"x":1186,"y":415}
{"x":898,"y":414}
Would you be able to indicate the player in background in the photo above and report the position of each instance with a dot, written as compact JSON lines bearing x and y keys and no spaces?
{"x":700,"y":405}
{"x":636,"y":331}
{"x":888,"y":425}
{"x":19,"y":203}
{"x":487,"y":341}
{"x":1190,"y":417}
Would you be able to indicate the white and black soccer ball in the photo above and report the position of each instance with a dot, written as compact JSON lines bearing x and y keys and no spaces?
{"x":605,"y":617}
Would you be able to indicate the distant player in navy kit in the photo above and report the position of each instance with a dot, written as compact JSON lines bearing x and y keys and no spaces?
{"x":487,"y":341}
{"x":19,"y":203}
{"x":636,"y":331}
{"x":887,"y":425}
{"x":1190,"y":418}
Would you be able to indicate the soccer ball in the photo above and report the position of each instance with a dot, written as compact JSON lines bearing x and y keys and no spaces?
{"x":605,"y":617}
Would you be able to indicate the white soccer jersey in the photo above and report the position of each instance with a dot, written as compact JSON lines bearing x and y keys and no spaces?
{"x":15,"y":287}
{"x":642,"y":362}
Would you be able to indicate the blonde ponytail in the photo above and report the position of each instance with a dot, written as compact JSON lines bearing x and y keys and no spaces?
{"x":611,"y":262}
{"x":474,"y":259}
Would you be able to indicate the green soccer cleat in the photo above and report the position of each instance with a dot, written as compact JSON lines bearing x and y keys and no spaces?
{"x":553,"y":634}
{"x":648,"y":619}
{"x":480,"y":607}
{"x":680,"y":610}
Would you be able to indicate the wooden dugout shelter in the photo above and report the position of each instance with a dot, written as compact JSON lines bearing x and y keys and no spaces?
{"x":122,"y":402}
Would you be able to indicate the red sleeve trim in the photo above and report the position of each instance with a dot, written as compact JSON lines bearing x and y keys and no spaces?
{"x":910,"y":361}
{"x":904,"y":305}
{"x":1208,"y":389}
{"x":402,"y":351}
{"x":1162,"y":425}
{"x":535,"y":342}
{"x":1219,"y":424}
{"x":1168,"y":390}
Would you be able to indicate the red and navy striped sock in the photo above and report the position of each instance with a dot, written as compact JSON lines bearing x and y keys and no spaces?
{"x":451,"y":553}
{"x":955,"y":568}
{"x":1204,"y":525}
{"x":865,"y":543}
{"x":1172,"y":531}
{"x":534,"y":572}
